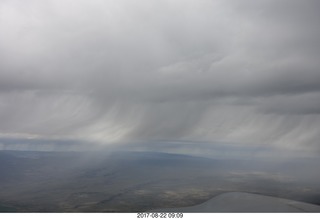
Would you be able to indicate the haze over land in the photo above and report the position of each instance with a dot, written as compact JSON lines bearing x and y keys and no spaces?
{"x":128,"y":181}
{"x":214,"y":79}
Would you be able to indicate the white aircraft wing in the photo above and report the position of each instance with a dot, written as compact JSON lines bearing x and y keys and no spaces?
{"x":246,"y":202}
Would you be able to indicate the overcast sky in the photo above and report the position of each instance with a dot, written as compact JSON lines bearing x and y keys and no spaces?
{"x":242,"y":71}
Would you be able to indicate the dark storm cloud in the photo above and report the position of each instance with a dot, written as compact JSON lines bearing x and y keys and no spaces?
{"x":118,"y":70}
{"x":303,"y":104}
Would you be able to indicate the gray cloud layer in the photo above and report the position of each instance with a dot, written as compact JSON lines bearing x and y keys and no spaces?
{"x":239,"y":71}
